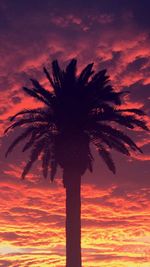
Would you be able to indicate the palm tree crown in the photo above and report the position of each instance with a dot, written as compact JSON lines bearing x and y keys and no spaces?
{"x":81,"y":109}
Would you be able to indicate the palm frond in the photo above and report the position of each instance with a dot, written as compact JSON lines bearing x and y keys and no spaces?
{"x":116,"y":99}
{"x":103,"y":109}
{"x":41,"y":111}
{"x":90,"y":162}
{"x":36,"y":134}
{"x":25,"y":121}
{"x":118,"y":134}
{"x":123,"y":120}
{"x":33,"y":157}
{"x":132,"y":110}
{"x":97,"y":83}
{"x":42,"y":91}
{"x":54,"y":165}
{"x":140,"y":123}
{"x":118,"y":145}
{"x":85,"y":74}
{"x":113,"y":116}
{"x":30,"y":143}
{"x":34,"y":94}
{"x":71,"y":69}
{"x":48,"y":77}
{"x":18,"y":139}
{"x":57,"y":77}
{"x":97,"y":96}
{"x":99,"y":78}
{"x":107,"y":158}
{"x":111,"y":141}
{"x":113,"y":97}
{"x":46,"y":159}
{"x":130,"y":121}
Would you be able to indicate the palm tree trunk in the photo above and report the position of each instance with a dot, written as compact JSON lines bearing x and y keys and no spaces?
{"x":72,"y":184}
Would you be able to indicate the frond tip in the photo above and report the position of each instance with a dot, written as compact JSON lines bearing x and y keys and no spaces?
{"x":18,"y":140}
{"x":33,"y":157}
{"x":53,"y":169}
{"x":107,"y":158}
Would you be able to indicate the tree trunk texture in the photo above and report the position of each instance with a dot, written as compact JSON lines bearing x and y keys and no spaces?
{"x":73,"y":219}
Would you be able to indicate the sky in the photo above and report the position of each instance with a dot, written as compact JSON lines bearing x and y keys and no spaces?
{"x":114,"y":34}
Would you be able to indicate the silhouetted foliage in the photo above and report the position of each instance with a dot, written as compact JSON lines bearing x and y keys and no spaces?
{"x":81,"y":109}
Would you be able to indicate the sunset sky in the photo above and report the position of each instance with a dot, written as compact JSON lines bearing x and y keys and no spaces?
{"x":114,"y":34}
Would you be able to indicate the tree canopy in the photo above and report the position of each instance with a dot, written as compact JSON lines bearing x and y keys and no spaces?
{"x":81,"y":109}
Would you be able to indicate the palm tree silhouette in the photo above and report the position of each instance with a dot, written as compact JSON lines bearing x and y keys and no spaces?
{"x":81,"y":109}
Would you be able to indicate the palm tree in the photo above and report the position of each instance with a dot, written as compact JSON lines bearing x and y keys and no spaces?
{"x":81,"y":109}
